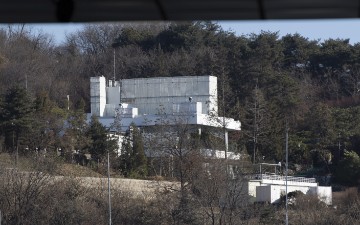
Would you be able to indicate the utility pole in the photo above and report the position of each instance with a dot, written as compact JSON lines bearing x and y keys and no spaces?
{"x":13,"y":144}
{"x":339,"y":146}
{"x":115,"y":44}
{"x":226,"y":138}
{"x":256,"y":127}
{"x":114,"y":66}
{"x":224,"y":124}
{"x":109,"y":189}
{"x":286,"y":172}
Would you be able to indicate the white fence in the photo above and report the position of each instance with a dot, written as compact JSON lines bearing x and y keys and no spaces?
{"x":283,"y":178}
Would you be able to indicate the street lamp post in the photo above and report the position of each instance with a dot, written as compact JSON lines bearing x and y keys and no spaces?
{"x":115,"y":44}
{"x":109,"y":189}
{"x":286,"y":173}
{"x":114,"y":53}
{"x":13,"y":144}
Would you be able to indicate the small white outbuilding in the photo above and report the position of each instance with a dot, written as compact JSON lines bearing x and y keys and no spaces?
{"x":270,"y":188}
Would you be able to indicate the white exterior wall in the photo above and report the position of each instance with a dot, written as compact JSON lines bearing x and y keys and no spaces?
{"x":272,"y":193}
{"x":186,"y":108}
{"x":110,"y":111}
{"x":113,"y":95}
{"x":145,"y":101}
{"x":213,"y":106}
{"x":154,"y":95}
{"x":151,"y":120}
{"x":98,"y":95}
{"x":265,"y":191}
{"x":252,"y":184}
{"x":325,"y":194}
{"x":263,"y":194}
{"x":112,"y":100}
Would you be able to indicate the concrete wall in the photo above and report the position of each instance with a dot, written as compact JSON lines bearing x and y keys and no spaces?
{"x":252,"y":184}
{"x":158,"y":95}
{"x":143,"y":189}
{"x":186,"y":108}
{"x":272,"y":192}
{"x":151,"y":97}
{"x":98,"y":95}
{"x":263,"y":194}
{"x":325,"y":194}
{"x":113,"y":95}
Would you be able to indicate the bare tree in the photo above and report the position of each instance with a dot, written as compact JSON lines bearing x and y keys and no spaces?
{"x":21,"y":195}
{"x":256,"y":122}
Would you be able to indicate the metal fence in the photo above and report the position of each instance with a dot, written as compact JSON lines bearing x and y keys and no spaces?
{"x":283,"y":178}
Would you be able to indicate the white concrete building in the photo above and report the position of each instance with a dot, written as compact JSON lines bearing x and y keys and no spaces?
{"x":270,"y":188}
{"x":144,"y":101}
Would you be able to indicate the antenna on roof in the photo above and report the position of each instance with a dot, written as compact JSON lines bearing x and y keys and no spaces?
{"x":114,"y":67}
{"x":114,"y":45}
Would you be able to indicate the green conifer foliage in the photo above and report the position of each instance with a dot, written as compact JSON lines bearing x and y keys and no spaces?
{"x":16,"y":116}
{"x":100,"y":141}
{"x":133,"y":162}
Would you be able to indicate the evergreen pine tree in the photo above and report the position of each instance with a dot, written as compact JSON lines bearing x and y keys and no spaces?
{"x":100,"y":141}
{"x":16,"y":116}
{"x":133,"y":161}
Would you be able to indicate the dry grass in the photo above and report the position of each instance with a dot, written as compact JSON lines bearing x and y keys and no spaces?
{"x":73,"y":170}
{"x":6,"y":160}
{"x":57,"y":166}
{"x":22,"y":163}
{"x":341,"y":196}
{"x":87,"y":177}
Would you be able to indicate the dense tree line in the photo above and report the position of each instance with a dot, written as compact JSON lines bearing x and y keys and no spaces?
{"x":267,"y":82}
{"x":31,"y":126}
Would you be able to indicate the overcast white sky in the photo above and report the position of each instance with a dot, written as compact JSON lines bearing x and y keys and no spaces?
{"x":312,"y":29}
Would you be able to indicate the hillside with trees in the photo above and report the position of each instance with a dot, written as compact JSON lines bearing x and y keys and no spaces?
{"x":265,"y":81}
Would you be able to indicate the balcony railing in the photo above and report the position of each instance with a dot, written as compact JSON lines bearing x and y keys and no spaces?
{"x":283,"y":178}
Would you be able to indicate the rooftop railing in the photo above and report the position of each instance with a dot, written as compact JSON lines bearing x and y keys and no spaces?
{"x":283,"y":178}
